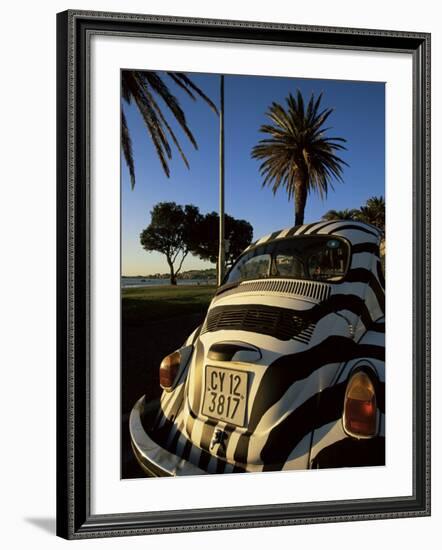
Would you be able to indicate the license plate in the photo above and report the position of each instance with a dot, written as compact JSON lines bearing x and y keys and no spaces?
{"x":225,"y":395}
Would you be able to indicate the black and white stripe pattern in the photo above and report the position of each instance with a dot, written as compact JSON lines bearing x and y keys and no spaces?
{"x":297,"y":389}
{"x":354,"y":231}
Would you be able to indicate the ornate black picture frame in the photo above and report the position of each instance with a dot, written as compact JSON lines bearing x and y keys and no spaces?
{"x":74,"y":32}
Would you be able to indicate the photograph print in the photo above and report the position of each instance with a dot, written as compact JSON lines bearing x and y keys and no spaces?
{"x":252,"y":273}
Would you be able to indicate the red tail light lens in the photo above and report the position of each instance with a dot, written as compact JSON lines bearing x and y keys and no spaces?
{"x":169,"y":370}
{"x":360,"y":417}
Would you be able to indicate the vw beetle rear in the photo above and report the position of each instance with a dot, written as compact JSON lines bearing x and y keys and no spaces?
{"x":287,"y":370}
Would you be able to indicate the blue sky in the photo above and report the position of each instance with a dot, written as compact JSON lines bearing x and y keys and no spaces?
{"x":359,"y":117}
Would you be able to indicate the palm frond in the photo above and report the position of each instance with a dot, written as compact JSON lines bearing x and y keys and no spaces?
{"x":145,"y":89}
{"x":346,"y":214}
{"x":126,"y":144}
{"x":185,"y":83}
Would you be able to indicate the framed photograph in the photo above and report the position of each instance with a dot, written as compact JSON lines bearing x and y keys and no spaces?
{"x":243,"y":274}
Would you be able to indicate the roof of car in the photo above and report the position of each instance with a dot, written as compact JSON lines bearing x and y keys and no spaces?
{"x":356,"y":232}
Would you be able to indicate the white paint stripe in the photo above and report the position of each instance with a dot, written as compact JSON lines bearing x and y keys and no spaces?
{"x":315,"y":227}
{"x":197,"y":431}
{"x":365,"y":260}
{"x":327,"y":435}
{"x":173,"y":397}
{"x":298,"y":457}
{"x":373,"y":338}
{"x":296,"y":394}
{"x":377,"y":364}
{"x":353,"y":235}
{"x":232,"y":444}
{"x":356,"y":288}
{"x":264,"y":239}
{"x":180,"y":445}
{"x":283,"y":233}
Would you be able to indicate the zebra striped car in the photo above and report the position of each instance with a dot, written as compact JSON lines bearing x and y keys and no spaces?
{"x":287,"y":371}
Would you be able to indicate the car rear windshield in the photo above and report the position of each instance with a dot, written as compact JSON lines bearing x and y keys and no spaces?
{"x":314,"y":258}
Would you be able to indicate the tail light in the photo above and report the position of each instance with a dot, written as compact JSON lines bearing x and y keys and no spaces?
{"x":169,"y":369}
{"x":360,"y":415}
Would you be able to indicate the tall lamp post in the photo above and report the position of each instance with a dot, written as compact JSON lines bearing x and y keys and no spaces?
{"x":221,"y":250}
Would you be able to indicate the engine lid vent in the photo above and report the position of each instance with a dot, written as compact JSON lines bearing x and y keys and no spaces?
{"x":278,"y":322}
{"x":314,"y":290}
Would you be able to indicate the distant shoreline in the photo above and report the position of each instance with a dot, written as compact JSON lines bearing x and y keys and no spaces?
{"x":140,"y":282}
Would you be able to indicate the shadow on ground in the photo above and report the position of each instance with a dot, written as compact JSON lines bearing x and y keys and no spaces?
{"x":152,"y":327}
{"x":46,"y":524}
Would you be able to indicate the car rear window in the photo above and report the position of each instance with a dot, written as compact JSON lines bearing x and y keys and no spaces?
{"x":314,"y":258}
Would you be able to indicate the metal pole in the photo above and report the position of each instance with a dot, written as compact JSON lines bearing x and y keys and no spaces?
{"x":221,"y":250}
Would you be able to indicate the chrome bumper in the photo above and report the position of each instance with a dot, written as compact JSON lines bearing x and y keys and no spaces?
{"x":155,"y":460}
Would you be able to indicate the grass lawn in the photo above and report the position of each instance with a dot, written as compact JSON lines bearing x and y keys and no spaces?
{"x":164,"y":302}
{"x":155,"y":321}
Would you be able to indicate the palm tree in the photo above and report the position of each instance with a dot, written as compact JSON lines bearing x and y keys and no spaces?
{"x":374,"y":212}
{"x":144,"y":89}
{"x":346,"y":214}
{"x":297,"y":155}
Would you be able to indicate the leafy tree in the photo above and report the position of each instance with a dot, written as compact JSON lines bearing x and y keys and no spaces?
{"x":374,"y":212}
{"x":238,"y":235}
{"x":173,"y":231}
{"x":346,"y":214}
{"x":297,"y":155}
{"x":147,"y":90}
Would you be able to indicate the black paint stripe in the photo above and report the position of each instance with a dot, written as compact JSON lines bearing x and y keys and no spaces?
{"x":292,"y":231}
{"x":377,"y":327}
{"x":322,"y":226}
{"x":380,"y":272}
{"x":371,"y":248}
{"x":198,"y":377}
{"x":187,"y":448}
{"x":303,"y":420}
{"x":224,"y":351}
{"x":220,"y":467}
{"x":176,"y":406}
{"x":161,"y":433}
{"x":337,"y":302}
{"x":306,"y":228}
{"x":274,"y":235}
{"x":361,"y":275}
{"x":197,"y":333}
{"x":158,"y":419}
{"x":204,"y":460}
{"x":237,"y":469}
{"x":287,"y":370}
{"x":357,"y":275}
{"x":353,"y":227}
{"x":349,"y":453}
{"x":228,"y":430}
{"x":242,"y":448}
{"x":173,"y":444}
{"x":207,"y":434}
{"x":319,"y":410}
